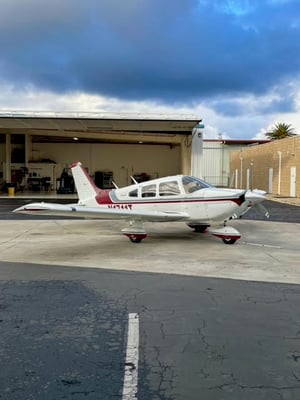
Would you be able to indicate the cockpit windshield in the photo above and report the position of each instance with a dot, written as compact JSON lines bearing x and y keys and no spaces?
{"x":191,"y":184}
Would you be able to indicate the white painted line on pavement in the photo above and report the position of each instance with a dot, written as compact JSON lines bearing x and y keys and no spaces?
{"x":261,"y":245}
{"x":132,"y":359}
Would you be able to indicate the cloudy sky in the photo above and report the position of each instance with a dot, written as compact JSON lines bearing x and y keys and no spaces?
{"x":233,"y":63}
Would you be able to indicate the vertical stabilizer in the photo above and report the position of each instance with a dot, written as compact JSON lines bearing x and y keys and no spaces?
{"x":85,"y":186}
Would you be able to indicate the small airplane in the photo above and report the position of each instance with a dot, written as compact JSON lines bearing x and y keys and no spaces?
{"x":201,"y":206}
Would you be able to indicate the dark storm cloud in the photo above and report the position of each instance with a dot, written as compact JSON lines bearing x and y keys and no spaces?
{"x":174,"y":51}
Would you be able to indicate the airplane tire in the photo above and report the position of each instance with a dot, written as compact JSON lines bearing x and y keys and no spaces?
{"x":198,"y":228}
{"x":135,"y":239}
{"x":229,"y":240}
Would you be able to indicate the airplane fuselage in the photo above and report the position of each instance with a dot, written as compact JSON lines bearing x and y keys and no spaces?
{"x":206,"y":204}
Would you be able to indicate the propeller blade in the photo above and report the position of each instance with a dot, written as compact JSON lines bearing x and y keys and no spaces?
{"x":261,"y":208}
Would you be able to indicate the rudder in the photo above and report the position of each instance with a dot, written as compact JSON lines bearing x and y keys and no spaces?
{"x":85,"y":186}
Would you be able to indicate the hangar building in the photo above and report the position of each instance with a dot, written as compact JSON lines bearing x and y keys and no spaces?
{"x":35,"y":146}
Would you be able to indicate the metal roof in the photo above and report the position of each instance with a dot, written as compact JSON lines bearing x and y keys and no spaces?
{"x":58,"y":124}
{"x":246,"y":142}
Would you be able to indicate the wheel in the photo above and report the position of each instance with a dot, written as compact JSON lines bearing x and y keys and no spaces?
{"x":135,"y":239}
{"x":198,"y":228}
{"x":229,"y":240}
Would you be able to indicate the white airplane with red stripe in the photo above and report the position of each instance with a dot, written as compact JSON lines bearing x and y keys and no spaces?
{"x":201,"y":206}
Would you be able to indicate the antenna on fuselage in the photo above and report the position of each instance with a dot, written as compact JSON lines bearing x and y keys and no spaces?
{"x":134,"y":180}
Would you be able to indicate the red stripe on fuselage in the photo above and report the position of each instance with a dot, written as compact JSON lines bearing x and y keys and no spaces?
{"x":103,"y":198}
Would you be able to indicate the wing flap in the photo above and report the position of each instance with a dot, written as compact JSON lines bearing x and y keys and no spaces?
{"x":79,"y":211}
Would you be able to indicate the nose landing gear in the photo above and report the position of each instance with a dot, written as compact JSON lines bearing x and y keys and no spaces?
{"x":228,"y":240}
{"x":228,"y":234}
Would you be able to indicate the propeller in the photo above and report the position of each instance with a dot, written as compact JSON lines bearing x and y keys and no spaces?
{"x":253,"y":199}
{"x":263,"y":210}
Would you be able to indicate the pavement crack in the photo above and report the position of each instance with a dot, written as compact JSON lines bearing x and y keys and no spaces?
{"x":186,"y":345}
{"x":209,"y":293}
{"x":165,"y":373}
{"x":296,"y":376}
{"x":12,"y":240}
{"x":161,"y":327}
{"x":224,"y":386}
{"x":202,"y":335}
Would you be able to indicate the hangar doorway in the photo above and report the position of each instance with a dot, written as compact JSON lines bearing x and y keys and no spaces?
{"x":122,"y":160}
{"x":125,"y":146}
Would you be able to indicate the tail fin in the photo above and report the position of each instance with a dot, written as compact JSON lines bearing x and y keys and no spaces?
{"x":85,"y":186}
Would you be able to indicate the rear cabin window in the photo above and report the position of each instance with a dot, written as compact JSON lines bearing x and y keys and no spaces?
{"x":170,"y":188}
{"x":149,"y":191}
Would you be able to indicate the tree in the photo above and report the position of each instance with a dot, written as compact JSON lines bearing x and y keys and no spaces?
{"x":280,"y":131}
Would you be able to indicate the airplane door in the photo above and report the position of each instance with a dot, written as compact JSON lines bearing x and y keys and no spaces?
{"x":293,"y":182}
{"x":270,"y":180}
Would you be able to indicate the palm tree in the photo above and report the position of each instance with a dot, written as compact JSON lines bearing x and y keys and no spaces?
{"x":280,"y":131}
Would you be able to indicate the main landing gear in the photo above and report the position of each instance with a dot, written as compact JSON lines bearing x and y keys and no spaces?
{"x":135,"y":232}
{"x":229,"y":235}
{"x":198,"y":227}
{"x":135,"y":237}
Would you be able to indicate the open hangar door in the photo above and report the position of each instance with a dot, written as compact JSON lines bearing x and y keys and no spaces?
{"x":126,"y":146}
{"x":122,"y":160}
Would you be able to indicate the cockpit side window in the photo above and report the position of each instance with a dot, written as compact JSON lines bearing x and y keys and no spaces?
{"x":169,"y":188}
{"x":133,"y":193}
{"x":191,"y":184}
{"x":149,"y":191}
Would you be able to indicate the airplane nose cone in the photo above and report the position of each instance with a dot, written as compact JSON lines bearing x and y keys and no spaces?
{"x":255,"y":197}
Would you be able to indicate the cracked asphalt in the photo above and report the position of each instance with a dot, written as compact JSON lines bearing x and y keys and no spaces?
{"x":59,"y":340}
{"x":63,"y":328}
{"x":63,"y":332}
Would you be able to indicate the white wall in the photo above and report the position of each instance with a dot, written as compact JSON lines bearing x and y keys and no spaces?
{"x":216,"y":161}
{"x":215,"y":164}
{"x":123,"y":160}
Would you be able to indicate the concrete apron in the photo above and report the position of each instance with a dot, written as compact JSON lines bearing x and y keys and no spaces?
{"x":267,"y":251}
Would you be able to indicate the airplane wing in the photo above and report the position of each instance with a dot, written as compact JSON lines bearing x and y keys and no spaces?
{"x":79,"y":211}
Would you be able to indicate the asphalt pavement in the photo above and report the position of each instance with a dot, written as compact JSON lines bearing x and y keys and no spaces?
{"x":63,"y":335}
